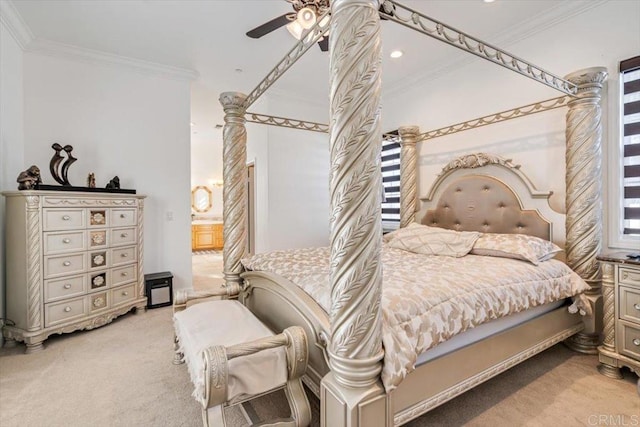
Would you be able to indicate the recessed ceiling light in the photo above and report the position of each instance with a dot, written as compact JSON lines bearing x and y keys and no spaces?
{"x":192,"y":124}
{"x":396,"y":54}
{"x":488,"y":1}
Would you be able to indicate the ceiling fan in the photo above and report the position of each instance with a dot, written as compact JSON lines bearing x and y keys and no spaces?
{"x":304,"y":16}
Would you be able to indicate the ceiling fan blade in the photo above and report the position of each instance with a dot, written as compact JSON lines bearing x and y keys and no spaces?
{"x":267,"y":27}
{"x":324,"y":44}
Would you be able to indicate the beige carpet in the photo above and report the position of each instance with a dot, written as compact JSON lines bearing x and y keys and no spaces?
{"x":122,"y":375}
{"x":207,"y":269}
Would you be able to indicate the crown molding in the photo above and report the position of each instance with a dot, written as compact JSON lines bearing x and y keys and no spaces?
{"x":14,"y":23}
{"x":22,"y":34}
{"x":91,"y":56}
{"x":551,"y":17}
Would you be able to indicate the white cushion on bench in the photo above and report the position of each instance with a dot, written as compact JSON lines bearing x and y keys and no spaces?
{"x":228,"y":322}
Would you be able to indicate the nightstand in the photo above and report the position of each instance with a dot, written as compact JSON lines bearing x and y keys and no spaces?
{"x":621,"y":307}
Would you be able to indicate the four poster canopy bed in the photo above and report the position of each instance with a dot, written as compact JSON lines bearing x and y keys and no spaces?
{"x":382,"y":352}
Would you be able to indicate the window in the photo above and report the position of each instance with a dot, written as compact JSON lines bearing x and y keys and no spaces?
{"x":630,"y":149}
{"x":390,"y":163}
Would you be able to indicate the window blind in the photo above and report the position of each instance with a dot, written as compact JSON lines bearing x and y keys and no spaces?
{"x":390,"y":163}
{"x":630,"y":78}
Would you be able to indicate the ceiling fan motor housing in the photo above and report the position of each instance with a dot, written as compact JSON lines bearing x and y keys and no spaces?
{"x":319,"y":6}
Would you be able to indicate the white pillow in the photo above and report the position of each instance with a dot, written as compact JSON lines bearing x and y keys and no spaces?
{"x":422,"y":239}
{"x":515,"y":246}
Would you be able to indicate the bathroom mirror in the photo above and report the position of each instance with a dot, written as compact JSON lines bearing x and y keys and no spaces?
{"x":200,"y":199}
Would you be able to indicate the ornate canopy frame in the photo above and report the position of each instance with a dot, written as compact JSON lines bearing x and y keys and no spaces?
{"x":351,"y":393}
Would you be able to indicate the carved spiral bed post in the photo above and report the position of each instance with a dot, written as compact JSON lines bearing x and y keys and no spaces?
{"x":234,"y":194}
{"x":408,"y":174}
{"x":584,"y":196}
{"x":352,"y":394}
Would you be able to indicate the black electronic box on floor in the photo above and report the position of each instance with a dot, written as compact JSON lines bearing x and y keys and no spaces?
{"x":159,"y":289}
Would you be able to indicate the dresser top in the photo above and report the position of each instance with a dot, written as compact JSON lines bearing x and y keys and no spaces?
{"x":70,"y":194}
{"x":619,"y":257}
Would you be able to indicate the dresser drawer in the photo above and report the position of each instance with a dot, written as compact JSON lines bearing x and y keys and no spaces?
{"x":123,"y":256}
{"x":62,"y":311}
{"x":123,"y":236}
{"x":64,"y":264}
{"x":123,"y":294}
{"x":98,"y":301}
{"x":629,"y":308}
{"x":65,"y":241}
{"x":98,"y":239}
{"x":98,"y":217}
{"x":123,"y":217}
{"x":63,"y":219}
{"x":630,"y":341}
{"x":629,"y":276}
{"x":123,"y":275}
{"x":57,"y":289}
{"x":99,"y":280}
{"x":98,"y":259}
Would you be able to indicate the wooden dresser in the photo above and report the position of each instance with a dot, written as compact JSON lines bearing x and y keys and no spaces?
{"x":621,"y":300}
{"x":206,"y":235}
{"x":74,"y":261}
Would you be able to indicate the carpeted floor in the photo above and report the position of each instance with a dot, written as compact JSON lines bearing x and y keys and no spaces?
{"x":122,"y":375}
{"x":207,"y":269}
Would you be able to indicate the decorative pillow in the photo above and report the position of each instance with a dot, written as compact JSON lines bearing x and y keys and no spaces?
{"x":422,"y":239}
{"x":516,"y":246}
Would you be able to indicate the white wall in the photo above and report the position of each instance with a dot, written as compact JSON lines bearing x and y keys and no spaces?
{"x":11,"y":132}
{"x":298,"y":189}
{"x":258,"y":154}
{"x":120,"y":122}
{"x":298,"y":163}
{"x":602,"y":36}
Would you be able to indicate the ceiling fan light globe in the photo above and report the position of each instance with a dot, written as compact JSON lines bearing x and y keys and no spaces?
{"x":306,"y":17}
{"x":295,"y":29}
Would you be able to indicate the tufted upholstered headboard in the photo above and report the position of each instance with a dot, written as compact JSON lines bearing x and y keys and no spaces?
{"x":487,"y":193}
{"x":486,"y":204}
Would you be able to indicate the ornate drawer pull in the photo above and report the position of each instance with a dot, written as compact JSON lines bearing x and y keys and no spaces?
{"x":636,"y":306}
{"x":123,"y":216}
{"x":124,"y":255}
{"x":66,"y":218}
{"x":125,"y":293}
{"x":636,"y":341}
{"x":123,"y":235}
{"x":67,"y":309}
{"x":67,"y":286}
{"x":66,"y":240}
{"x":124,"y":273}
{"x":66,"y":263}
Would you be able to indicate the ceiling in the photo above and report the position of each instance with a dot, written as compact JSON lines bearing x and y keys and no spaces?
{"x":208,"y":36}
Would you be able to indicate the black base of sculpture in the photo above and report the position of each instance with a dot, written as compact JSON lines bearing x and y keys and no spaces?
{"x":86,"y":189}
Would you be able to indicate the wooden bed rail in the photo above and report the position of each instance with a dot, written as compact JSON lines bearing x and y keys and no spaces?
{"x":184,"y":296}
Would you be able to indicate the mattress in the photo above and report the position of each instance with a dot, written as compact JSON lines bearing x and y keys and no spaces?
{"x":427,"y":300}
{"x":485,"y":330}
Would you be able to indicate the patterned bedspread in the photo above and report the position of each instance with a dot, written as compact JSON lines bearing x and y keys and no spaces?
{"x":428,"y":299}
